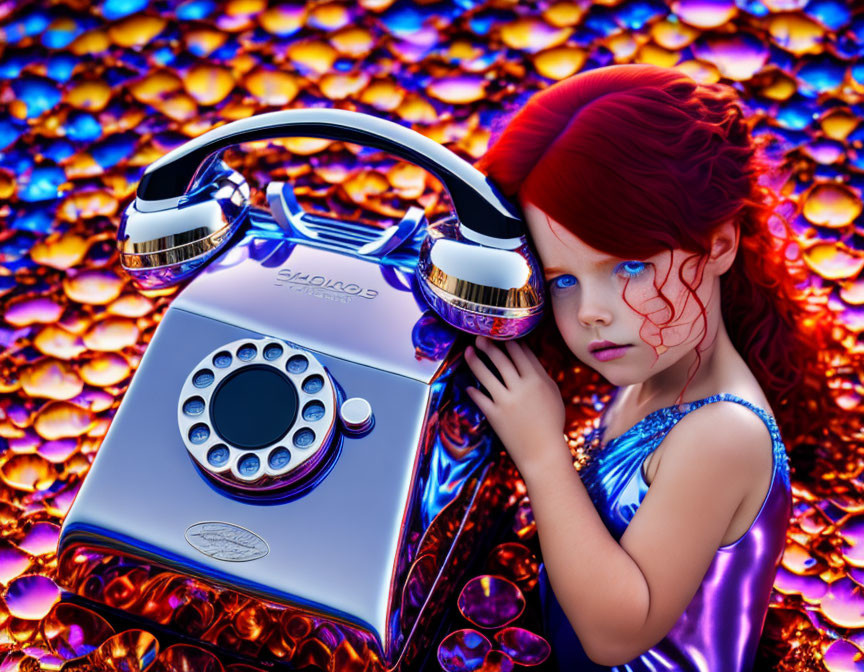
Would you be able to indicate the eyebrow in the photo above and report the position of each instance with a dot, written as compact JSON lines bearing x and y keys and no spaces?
{"x":602,"y":262}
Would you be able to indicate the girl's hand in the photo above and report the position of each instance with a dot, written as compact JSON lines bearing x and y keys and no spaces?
{"x":526,"y":411}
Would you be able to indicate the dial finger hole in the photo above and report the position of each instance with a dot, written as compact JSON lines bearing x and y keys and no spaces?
{"x":313,"y":384}
{"x":273,"y":351}
{"x":193,"y":406}
{"x":248,"y":465}
{"x":279,"y":458}
{"x":304,"y":438}
{"x":247,"y":352}
{"x":297,"y":364}
{"x":313,"y":411}
{"x":218,"y":455}
{"x":203,"y":378}
{"x":199,"y":433}
{"x":222,"y":359}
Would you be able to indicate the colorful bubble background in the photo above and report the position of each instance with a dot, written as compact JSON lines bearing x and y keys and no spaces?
{"x":92,"y":92}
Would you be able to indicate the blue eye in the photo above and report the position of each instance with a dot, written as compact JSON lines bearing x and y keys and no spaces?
{"x":631,"y":268}
{"x":563,"y":281}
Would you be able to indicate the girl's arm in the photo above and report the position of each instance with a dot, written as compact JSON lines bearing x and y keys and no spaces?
{"x":623,"y":597}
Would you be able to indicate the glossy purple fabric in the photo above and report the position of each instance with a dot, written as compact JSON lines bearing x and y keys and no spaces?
{"x":719,"y":630}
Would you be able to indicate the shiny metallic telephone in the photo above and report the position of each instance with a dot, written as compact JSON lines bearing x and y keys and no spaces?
{"x":295,"y":473}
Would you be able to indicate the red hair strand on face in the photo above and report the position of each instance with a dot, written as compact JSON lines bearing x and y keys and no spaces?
{"x":636,"y":159}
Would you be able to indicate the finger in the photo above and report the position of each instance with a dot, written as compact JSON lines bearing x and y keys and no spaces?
{"x":532,"y":358}
{"x":480,"y":400}
{"x":517,"y":353}
{"x":485,"y":377}
{"x":500,"y":360}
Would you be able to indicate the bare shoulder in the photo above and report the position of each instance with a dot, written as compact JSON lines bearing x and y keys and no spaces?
{"x":724,"y":436}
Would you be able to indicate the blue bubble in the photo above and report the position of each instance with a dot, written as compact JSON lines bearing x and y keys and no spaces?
{"x":195,"y":10}
{"x":9,"y":132}
{"x":83,"y":126}
{"x":117,"y":9}
{"x":634,"y":15}
{"x":113,"y":149}
{"x":60,"y":38}
{"x":39,"y":94}
{"x":60,"y":67}
{"x":42,"y":184}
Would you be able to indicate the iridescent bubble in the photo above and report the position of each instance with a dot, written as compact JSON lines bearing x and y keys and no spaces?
{"x":59,"y":252}
{"x":31,"y":597}
{"x":271,"y":87}
{"x":60,"y":419}
{"x":458,"y":90}
{"x":72,"y":631}
{"x":208,"y":84}
{"x":27,"y":473}
{"x":105,"y":369}
{"x":832,"y":263}
{"x":843,"y":604}
{"x":738,"y":56}
{"x":181,"y":657}
{"x":41,"y":539}
{"x":354,"y":41}
{"x":532,"y":35}
{"x":491,"y":601}
{"x":843,"y":656}
{"x":37,"y":94}
{"x":524,"y":647}
{"x":111,"y":333}
{"x":136,"y":31}
{"x":832,"y":205}
{"x":131,"y":305}
{"x":33,"y":311}
{"x":559,"y":62}
{"x":204,"y":41}
{"x":329,"y":16}
{"x":705,"y":13}
{"x":58,"y":451}
{"x":311,"y":57}
{"x":339,"y":86}
{"x":283,"y":20}
{"x":51,"y":379}
{"x":796,"y":33}
{"x":13,"y":562}
{"x":92,"y":95}
{"x":129,"y":651}
{"x":463,"y":650}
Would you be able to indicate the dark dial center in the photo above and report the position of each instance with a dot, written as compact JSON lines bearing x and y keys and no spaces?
{"x":254,"y":407}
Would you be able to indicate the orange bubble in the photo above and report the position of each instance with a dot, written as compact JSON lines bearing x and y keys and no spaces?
{"x":57,"y":342}
{"x":208,"y":84}
{"x":51,"y":379}
{"x":27,"y":473}
{"x":105,"y":369}
{"x":60,"y":419}
{"x":112,"y":333}
{"x":136,"y":31}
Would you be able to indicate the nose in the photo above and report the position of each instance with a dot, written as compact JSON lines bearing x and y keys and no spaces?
{"x":593,"y":310}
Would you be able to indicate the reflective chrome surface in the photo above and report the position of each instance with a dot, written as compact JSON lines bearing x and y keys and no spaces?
{"x":291,"y":458}
{"x":483,"y":290}
{"x":420,"y":481}
{"x":162,"y":247}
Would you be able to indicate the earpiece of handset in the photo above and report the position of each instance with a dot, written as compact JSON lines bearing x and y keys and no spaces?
{"x":488,"y":362}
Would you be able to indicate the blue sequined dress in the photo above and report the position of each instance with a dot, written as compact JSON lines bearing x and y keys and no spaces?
{"x":719,"y":630}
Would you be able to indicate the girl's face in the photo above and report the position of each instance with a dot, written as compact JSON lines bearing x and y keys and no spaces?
{"x":597,"y":297}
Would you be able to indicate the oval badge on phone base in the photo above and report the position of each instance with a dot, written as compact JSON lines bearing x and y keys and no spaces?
{"x":224,"y":541}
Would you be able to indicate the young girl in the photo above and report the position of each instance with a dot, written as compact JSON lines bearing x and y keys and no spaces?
{"x":641,"y":195}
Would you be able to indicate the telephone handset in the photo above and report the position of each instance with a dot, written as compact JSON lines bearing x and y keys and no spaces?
{"x":475,"y":267}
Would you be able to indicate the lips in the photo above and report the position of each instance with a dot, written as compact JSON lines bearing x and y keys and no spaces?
{"x":594,"y":346}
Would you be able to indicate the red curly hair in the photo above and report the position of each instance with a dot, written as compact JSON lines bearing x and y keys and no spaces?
{"x":636,"y":159}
